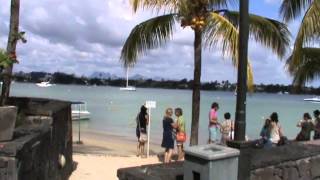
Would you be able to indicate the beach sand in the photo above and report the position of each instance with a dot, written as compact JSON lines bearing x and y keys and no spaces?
{"x":101,"y":155}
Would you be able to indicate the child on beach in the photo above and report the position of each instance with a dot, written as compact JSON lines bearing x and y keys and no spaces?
{"x":213,"y":123}
{"x":307,"y":126}
{"x":181,"y":132}
{"x":141,"y":130}
{"x":226,"y":127}
{"x":167,"y":138}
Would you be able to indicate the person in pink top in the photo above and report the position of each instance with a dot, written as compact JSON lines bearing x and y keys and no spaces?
{"x":213,"y":124}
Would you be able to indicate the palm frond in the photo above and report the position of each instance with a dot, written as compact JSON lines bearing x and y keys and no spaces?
{"x":309,"y":67}
{"x":157,"y":5}
{"x":268,"y":32}
{"x":250,"y":80}
{"x":308,"y":31}
{"x":147,"y":35}
{"x":219,"y":31}
{"x":291,"y":9}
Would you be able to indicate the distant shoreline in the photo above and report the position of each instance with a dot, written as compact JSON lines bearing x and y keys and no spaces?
{"x":183,"y":84}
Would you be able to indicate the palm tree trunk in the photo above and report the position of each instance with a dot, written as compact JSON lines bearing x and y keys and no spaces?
{"x":11,"y":49}
{"x":196,"y":88}
{"x":240,"y":123}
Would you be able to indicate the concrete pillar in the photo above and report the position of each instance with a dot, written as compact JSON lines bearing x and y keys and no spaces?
{"x":212,"y":162}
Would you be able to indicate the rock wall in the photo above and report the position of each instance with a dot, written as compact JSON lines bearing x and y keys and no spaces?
{"x":302,"y":169}
{"x":41,"y":142}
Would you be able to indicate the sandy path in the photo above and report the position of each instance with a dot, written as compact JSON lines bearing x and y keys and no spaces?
{"x":99,"y":167}
{"x":102,"y":155}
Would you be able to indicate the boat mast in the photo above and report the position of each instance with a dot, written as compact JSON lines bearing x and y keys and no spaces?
{"x":127,"y":76}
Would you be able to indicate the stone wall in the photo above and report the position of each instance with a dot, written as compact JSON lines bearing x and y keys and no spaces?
{"x":41,"y":142}
{"x":295,"y":161}
{"x":302,"y":169}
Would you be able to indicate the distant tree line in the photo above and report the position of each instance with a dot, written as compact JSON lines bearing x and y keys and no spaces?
{"x":64,"y":78}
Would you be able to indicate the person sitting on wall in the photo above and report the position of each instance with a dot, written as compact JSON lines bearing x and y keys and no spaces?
{"x":316,"y":123}
{"x":307,"y":126}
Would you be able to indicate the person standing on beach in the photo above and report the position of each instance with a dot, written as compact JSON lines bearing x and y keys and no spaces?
{"x":167,"y":138}
{"x":213,"y":124}
{"x":226,"y":128}
{"x":307,"y":126}
{"x":141,"y":130}
{"x":316,"y":122}
{"x":181,"y":132}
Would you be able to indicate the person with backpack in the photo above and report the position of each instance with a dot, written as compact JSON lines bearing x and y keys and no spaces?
{"x":226,"y":128}
{"x":141,"y":130}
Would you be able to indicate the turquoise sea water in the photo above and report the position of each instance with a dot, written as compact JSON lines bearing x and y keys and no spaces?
{"x":114,"y":111}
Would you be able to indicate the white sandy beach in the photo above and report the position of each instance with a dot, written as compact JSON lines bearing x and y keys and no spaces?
{"x":104,"y":167}
{"x":101,"y":155}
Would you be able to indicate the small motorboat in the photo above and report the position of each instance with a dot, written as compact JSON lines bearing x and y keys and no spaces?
{"x":314,"y":99}
{"x":79,"y":111}
{"x":44,"y":84}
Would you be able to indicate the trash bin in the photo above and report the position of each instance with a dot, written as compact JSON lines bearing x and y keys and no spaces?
{"x":211,"y":162}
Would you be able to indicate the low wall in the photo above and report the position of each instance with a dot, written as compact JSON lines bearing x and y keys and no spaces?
{"x":43,"y":138}
{"x":296,"y":161}
{"x":302,"y":169}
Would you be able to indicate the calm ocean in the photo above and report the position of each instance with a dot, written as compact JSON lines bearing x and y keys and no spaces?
{"x":114,"y":111}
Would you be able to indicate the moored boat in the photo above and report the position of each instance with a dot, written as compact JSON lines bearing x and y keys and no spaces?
{"x":79,"y":111}
{"x":44,"y":84}
{"x":314,"y":99}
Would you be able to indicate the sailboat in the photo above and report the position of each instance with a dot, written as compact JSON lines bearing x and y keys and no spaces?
{"x":128,"y":88}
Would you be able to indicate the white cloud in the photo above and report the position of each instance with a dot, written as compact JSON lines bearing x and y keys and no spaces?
{"x":86,"y":37}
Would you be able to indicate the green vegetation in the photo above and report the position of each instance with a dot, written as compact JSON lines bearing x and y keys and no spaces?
{"x":211,"y":22}
{"x":304,"y":62}
{"x":5,"y":60}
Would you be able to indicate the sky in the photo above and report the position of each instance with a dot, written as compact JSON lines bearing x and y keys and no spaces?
{"x":86,"y":36}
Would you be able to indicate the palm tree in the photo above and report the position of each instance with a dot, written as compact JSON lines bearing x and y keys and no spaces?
{"x":14,"y":36}
{"x":304,"y":62}
{"x":212,"y":22}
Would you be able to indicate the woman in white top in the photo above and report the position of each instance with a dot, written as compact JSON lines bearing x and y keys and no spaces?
{"x":276,"y":131}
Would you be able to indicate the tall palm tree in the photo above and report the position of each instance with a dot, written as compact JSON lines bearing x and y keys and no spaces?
{"x":304,"y":61}
{"x":212,"y":22}
{"x":13,"y":38}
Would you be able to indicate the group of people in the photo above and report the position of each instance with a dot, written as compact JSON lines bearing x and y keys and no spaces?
{"x":220,"y":131}
{"x":307,"y":125}
{"x":272,"y":133}
{"x":173,"y":130}
{"x":224,"y":129}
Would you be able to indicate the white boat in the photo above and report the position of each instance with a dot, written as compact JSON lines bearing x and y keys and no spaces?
{"x":44,"y":84}
{"x":79,"y":111}
{"x":128,"y":88}
{"x":314,"y":99}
